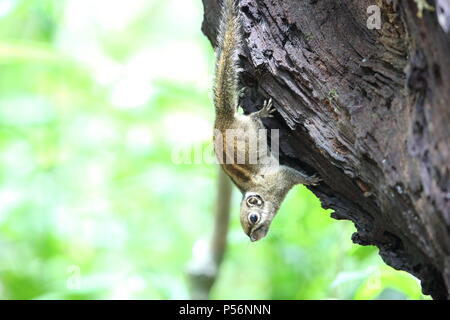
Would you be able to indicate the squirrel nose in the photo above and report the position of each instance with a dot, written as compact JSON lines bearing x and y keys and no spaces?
{"x":254,"y":236}
{"x":258,"y":233}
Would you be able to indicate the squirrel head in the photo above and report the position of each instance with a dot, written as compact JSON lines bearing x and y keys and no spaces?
{"x":256,"y":215}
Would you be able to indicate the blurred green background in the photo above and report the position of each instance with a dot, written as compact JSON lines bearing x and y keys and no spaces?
{"x":95,"y":96}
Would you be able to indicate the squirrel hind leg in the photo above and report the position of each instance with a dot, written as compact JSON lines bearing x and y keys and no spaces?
{"x":297,"y":177}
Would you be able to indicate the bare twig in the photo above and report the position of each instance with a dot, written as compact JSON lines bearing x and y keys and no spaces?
{"x":207,"y":256}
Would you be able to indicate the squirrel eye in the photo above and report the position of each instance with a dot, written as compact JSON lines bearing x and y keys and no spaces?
{"x":253,"y":218}
{"x":253,"y":201}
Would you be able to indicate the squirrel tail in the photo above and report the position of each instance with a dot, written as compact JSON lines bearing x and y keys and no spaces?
{"x":228,"y":43}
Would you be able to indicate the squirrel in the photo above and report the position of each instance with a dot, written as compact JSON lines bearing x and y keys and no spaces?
{"x":265,"y":183}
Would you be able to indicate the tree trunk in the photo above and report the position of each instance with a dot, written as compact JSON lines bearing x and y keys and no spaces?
{"x":369,"y":110}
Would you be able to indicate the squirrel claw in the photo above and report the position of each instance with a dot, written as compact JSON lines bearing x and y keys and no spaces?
{"x":267,"y":110}
{"x":315,"y":180}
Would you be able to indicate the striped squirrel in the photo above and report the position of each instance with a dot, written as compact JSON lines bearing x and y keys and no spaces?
{"x":263,"y":183}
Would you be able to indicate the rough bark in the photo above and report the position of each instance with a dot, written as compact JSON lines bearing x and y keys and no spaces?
{"x":369,"y":110}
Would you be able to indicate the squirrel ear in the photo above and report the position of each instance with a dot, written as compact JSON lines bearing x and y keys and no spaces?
{"x":254,"y":200}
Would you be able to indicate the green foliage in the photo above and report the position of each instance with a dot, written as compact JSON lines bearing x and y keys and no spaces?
{"x":95,"y":96}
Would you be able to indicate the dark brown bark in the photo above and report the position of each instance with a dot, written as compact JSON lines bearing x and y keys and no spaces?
{"x":369,"y":110}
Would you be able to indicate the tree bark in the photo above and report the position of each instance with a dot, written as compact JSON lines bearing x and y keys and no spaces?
{"x":368,"y":110}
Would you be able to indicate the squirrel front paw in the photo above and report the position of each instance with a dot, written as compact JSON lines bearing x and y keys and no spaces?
{"x":267,"y":110}
{"x":314,"y":180}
